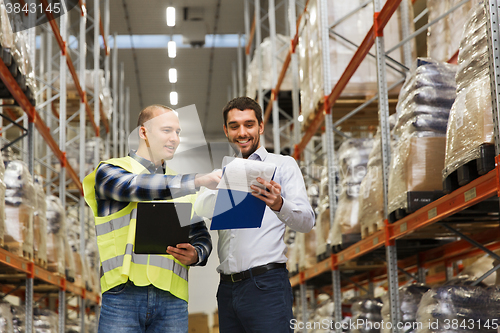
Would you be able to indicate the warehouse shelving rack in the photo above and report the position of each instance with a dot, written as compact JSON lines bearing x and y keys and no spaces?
{"x":435,"y":213}
{"x":48,"y":125}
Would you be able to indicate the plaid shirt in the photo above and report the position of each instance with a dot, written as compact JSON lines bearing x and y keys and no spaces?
{"x":116,"y":188}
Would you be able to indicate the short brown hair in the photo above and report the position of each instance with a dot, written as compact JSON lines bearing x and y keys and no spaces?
{"x":242,"y":104}
{"x":147,"y":113}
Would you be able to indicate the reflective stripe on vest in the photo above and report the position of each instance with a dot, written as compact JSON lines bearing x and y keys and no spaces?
{"x":142,"y":259}
{"x":115,"y":224}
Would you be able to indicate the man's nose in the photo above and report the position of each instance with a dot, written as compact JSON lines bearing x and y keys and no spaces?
{"x":242,"y":132}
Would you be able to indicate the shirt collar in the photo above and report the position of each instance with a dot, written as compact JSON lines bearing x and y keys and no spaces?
{"x":146,"y":163}
{"x":259,"y":154}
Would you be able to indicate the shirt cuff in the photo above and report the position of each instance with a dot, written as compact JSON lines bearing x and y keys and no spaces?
{"x":285,"y":213}
{"x":198,"y":251}
{"x":181,"y":185}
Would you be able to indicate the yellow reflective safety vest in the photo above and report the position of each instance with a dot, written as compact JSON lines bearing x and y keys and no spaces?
{"x":116,"y":240}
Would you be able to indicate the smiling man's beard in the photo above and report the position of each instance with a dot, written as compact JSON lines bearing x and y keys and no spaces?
{"x":237,"y":150}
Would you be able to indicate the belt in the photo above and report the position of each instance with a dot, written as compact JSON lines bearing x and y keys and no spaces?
{"x":258,"y":270}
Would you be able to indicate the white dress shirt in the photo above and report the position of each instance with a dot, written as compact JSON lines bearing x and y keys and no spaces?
{"x":241,"y":249}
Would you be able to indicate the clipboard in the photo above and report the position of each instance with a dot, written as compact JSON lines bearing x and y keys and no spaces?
{"x":237,"y":210}
{"x":158,"y":225}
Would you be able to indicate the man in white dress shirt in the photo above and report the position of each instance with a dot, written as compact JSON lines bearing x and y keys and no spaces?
{"x":254,"y":293}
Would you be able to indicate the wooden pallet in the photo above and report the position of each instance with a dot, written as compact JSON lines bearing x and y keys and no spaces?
{"x":414,"y":201}
{"x":471,"y":169}
{"x":54,"y":268}
{"x":371,"y":228}
{"x":40,"y":262}
{"x":17,"y":249}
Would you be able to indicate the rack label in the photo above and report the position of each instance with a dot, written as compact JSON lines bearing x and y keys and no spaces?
{"x":7,"y":258}
{"x":375,"y":241}
{"x":341,"y":257}
{"x":357,"y":250}
{"x":432,"y":213}
{"x":403,"y":227}
{"x":470,"y":194}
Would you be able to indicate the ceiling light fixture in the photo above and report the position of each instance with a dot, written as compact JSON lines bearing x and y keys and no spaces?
{"x":172,"y":75}
{"x":172,"y":49}
{"x":171,"y":16}
{"x":174,"y":98}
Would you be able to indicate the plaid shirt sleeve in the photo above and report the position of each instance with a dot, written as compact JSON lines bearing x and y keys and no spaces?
{"x":117,"y":184}
{"x":201,"y":240}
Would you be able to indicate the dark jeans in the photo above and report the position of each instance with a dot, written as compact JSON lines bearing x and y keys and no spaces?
{"x":130,"y":309}
{"x":259,"y":304}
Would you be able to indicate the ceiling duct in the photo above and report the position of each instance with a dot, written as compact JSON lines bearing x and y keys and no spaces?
{"x":194,"y":26}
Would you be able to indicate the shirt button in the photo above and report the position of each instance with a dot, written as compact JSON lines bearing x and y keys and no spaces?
{"x":232,"y":236}
{"x":230,"y":256}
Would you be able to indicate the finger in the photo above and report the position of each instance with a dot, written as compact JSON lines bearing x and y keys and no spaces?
{"x":172,"y":250}
{"x":184,"y":246}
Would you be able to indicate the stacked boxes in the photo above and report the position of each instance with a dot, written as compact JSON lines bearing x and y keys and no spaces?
{"x":20,"y":203}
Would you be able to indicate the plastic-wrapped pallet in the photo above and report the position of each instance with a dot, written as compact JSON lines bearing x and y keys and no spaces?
{"x":471,"y":121}
{"x":92,"y":255}
{"x":323,"y":314}
{"x":5,"y":318}
{"x":353,"y":159}
{"x":307,"y":249}
{"x":443,"y":37}
{"x":459,"y":308}
{"x":354,"y":28}
{"x":367,"y":312}
{"x":56,"y":231}
{"x":322,"y":227}
{"x":40,"y":224}
{"x":19,"y":208}
{"x":18,"y":318}
{"x":371,"y":192}
{"x":423,"y":110}
{"x":72,"y":326}
{"x":73,"y":236}
{"x":282,"y":47}
{"x":409,"y":298}
{"x":45,"y":321}
{"x":2,"y":201}
{"x":6,"y":34}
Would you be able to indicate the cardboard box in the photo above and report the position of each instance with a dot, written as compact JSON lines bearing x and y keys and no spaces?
{"x":425,"y":164}
{"x":215,"y":329}
{"x":216,"y":318}
{"x":198,"y":323}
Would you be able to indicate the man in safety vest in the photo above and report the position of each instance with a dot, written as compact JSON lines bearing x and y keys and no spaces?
{"x":140,"y":292}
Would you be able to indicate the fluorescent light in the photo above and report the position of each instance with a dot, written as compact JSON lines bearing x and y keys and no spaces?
{"x":172,"y":75}
{"x":171,"y":16}
{"x":174,"y":99}
{"x":172,"y":49}
{"x":301,"y":118}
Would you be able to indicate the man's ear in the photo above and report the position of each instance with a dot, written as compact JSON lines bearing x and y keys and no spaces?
{"x":225,"y":130}
{"x":261,"y":128}
{"x":142,"y":133}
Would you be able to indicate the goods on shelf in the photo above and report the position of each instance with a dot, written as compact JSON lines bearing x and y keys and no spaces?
{"x":470,"y":128}
{"x":72,"y":93}
{"x":45,"y":321}
{"x":423,"y":110}
{"x":2,"y":201}
{"x":282,"y":47}
{"x":18,"y":318}
{"x":56,"y":232}
{"x":72,"y":326}
{"x":475,"y":268}
{"x":322,"y":227}
{"x":92,"y":258}
{"x":409,"y":298}
{"x":40,"y":225}
{"x":442,"y":307}
{"x":367,"y":312}
{"x":353,"y":159}
{"x":307,"y":249}
{"x":19,"y":208}
{"x":354,"y":28}
{"x":73,"y":236}
{"x":5,"y":318}
{"x":371,"y":192}
{"x":443,"y":37}
{"x":6,"y":36}
{"x":323,"y":313}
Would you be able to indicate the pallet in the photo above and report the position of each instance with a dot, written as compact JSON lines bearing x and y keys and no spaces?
{"x":371,"y":228}
{"x":347,"y":240}
{"x":54,"y":268}
{"x":472,"y":169}
{"x":17,"y":249}
{"x":40,"y":262}
{"x":415,"y":201}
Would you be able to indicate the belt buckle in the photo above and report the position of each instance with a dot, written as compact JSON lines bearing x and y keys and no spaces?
{"x":237,"y":280}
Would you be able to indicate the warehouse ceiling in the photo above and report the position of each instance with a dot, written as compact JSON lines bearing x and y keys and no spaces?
{"x":192,"y":64}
